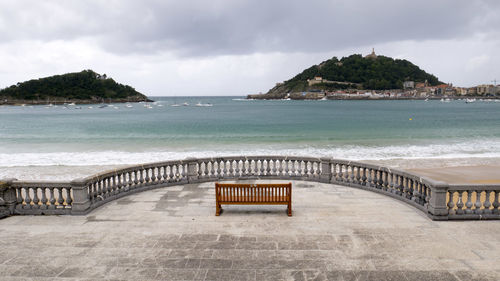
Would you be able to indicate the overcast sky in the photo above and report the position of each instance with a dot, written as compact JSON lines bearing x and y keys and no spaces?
{"x":237,"y":47}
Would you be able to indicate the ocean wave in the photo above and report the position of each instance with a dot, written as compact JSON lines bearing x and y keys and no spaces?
{"x":472,"y":149}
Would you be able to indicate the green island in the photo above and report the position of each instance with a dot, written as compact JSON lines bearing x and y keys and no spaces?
{"x":369,"y":77}
{"x":85,"y":87}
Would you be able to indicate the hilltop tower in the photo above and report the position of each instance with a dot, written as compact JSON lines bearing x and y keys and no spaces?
{"x":372,"y":55}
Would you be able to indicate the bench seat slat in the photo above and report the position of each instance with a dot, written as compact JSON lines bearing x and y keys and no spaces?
{"x":279,"y":199}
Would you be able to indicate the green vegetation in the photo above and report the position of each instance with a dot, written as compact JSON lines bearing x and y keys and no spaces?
{"x":357,"y":72}
{"x":80,"y":86}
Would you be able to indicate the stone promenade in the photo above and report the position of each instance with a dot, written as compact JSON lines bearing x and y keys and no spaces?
{"x":336,"y":233}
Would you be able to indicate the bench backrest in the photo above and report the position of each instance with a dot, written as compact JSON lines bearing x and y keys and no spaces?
{"x":253,"y":193}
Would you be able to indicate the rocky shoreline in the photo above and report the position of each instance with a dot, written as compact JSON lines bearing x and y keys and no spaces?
{"x":262,"y":97}
{"x":76,"y":101}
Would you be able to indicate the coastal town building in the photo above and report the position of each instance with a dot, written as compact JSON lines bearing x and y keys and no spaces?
{"x":483,"y":90}
{"x":472,"y":91}
{"x":421,"y":90}
{"x":461,"y":91}
{"x":408,"y":84}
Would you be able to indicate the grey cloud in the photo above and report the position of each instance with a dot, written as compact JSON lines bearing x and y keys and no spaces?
{"x":210,"y":28}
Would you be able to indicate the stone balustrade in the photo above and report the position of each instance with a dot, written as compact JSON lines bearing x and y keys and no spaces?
{"x":440,"y":201}
{"x":277,"y":167}
{"x":473,"y":201}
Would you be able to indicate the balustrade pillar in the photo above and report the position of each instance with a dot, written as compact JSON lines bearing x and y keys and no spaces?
{"x":8,"y":198}
{"x":437,"y":203}
{"x":81,"y":200}
{"x":326,"y":171}
{"x":192,"y":172}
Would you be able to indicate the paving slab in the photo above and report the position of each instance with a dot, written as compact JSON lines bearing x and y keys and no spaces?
{"x":172,"y":233}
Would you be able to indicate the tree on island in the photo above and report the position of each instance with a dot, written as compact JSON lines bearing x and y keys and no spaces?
{"x":86,"y":85}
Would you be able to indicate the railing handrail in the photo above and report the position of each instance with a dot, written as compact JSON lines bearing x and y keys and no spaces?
{"x":20,"y":183}
{"x":457,"y":187}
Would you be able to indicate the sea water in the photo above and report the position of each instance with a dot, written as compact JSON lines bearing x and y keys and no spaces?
{"x":65,"y":136}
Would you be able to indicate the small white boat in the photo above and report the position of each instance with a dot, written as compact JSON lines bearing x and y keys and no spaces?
{"x":185,"y":104}
{"x":72,"y":103}
{"x":203,"y":104}
{"x":470,"y":100}
{"x":175,"y":105}
{"x":128,"y":105}
{"x":90,"y":107}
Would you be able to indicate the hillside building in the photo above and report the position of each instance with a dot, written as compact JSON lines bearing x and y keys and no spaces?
{"x":408,"y":84}
{"x":315,"y":80}
{"x":372,"y":55}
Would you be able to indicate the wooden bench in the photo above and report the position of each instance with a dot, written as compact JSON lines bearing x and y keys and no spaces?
{"x":253,"y":194}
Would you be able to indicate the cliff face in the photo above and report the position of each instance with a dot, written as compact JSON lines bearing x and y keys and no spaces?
{"x":352,"y":72}
{"x":84,"y":87}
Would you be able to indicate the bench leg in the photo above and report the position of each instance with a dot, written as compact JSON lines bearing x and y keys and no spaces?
{"x":289,"y":209}
{"x":218,"y":209}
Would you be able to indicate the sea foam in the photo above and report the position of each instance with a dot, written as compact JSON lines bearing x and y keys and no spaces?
{"x":470,"y":149}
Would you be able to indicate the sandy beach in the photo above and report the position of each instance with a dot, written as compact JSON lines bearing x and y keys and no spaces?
{"x":452,"y":170}
{"x":464,"y":174}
